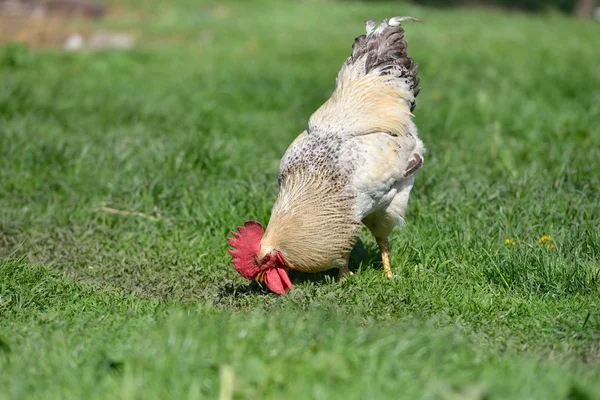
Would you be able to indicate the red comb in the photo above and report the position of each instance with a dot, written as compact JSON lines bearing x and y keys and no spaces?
{"x":246,"y":246}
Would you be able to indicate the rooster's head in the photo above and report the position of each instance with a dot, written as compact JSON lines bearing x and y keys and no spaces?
{"x":246,"y":250}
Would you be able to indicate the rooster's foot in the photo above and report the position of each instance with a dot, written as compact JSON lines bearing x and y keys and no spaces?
{"x":385,"y":257}
{"x":344,"y":268}
{"x":343,"y":272}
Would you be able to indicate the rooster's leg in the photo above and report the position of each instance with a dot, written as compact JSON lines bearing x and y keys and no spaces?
{"x":385,"y":257}
{"x":344,"y":268}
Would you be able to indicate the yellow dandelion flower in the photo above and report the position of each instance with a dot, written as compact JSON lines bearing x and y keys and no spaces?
{"x":507,"y":241}
{"x":514,"y":243}
{"x":545,"y":239}
{"x":550,"y":246}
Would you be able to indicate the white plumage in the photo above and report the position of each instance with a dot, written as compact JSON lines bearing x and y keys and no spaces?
{"x":355,"y":163}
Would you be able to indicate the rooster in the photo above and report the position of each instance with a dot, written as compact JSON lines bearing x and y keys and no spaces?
{"x":355,"y":163}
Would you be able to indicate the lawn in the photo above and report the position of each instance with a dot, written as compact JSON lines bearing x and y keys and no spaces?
{"x":123,"y":171}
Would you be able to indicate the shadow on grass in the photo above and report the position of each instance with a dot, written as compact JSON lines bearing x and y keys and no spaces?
{"x":236,"y":289}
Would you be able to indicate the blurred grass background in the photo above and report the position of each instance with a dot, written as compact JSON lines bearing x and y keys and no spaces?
{"x":123,"y":170}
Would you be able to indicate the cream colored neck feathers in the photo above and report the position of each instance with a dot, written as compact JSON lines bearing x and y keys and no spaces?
{"x":311,"y":221}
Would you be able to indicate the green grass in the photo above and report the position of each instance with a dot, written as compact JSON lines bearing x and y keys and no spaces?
{"x":189,"y":128}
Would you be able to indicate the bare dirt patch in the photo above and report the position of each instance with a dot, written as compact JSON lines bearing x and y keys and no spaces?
{"x":49,"y":23}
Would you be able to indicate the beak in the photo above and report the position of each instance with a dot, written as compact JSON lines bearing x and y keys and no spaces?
{"x":260,"y":277}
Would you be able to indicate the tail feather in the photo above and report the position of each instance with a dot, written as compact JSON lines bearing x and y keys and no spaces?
{"x":386,"y":52}
{"x":378,"y":83}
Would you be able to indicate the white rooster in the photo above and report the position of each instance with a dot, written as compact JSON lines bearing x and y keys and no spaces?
{"x":355,"y":163}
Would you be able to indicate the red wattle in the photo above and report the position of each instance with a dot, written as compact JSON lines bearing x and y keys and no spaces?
{"x":277,"y":280}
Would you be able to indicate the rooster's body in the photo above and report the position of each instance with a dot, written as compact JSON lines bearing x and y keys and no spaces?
{"x":355,"y":163}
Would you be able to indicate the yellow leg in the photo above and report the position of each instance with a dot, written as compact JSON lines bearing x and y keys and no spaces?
{"x":344,"y":268}
{"x":385,"y":257}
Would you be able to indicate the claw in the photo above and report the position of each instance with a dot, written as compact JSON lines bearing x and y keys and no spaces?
{"x":342,"y":274}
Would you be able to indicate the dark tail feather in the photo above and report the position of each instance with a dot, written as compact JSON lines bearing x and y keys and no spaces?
{"x":386,"y":52}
